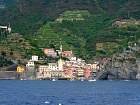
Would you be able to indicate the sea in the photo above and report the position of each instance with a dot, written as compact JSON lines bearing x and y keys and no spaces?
{"x":14,"y":92}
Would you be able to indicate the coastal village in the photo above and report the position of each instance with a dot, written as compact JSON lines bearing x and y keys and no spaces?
{"x":69,"y":69}
{"x":69,"y":52}
{"x":60,"y":64}
{"x":63,"y":66}
{"x":112,"y":53}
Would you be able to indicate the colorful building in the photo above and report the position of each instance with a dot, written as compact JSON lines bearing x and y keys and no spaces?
{"x":50,"y":52}
{"x":87,"y":73}
{"x":43,"y":72}
{"x":30,"y":70}
{"x":67,"y":54}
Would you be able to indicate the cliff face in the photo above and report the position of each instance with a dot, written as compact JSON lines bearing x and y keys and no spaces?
{"x":122,"y":67}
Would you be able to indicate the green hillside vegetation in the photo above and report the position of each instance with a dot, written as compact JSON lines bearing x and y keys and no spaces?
{"x":78,"y":24}
{"x":82,"y":35}
{"x":78,"y":35}
{"x":4,"y":62}
{"x":73,"y":15}
{"x":26,"y":16}
{"x":15,"y":47}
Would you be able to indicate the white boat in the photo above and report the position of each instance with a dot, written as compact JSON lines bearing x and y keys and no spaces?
{"x":82,"y":79}
{"x":53,"y":79}
{"x":92,"y":80}
{"x":126,"y":80}
{"x":72,"y":80}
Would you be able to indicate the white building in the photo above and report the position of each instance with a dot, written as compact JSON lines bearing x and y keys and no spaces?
{"x":34,"y":58}
{"x":30,"y":70}
{"x":43,"y":72}
{"x":60,"y":64}
{"x":53,"y":66}
{"x":73,"y":59}
{"x":30,"y":64}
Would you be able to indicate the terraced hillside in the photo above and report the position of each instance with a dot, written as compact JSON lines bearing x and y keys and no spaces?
{"x":81,"y":25}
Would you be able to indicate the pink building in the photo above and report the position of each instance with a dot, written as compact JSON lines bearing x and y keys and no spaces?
{"x":67,"y":54}
{"x":87,"y":73}
{"x":68,"y":72}
{"x":50,"y":52}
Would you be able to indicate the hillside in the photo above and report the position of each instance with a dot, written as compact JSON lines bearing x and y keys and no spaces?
{"x":28,"y":15}
{"x":80,"y":25}
{"x":82,"y":34}
{"x":15,"y":47}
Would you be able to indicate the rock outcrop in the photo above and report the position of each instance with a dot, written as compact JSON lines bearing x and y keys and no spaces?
{"x":121,"y":67}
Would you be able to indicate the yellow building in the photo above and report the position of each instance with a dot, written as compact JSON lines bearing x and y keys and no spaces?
{"x":20,"y":69}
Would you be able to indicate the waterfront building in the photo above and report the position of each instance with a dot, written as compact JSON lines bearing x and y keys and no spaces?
{"x":30,"y":70}
{"x":20,"y":72}
{"x":60,"y":64}
{"x":56,"y":69}
{"x":80,"y":73}
{"x":74,"y":69}
{"x":53,"y":66}
{"x":43,"y":72}
{"x":73,"y":59}
{"x":20,"y":69}
{"x":95,"y":66}
{"x":87,"y":73}
{"x":50,"y":71}
{"x":68,"y":72}
{"x":57,"y":74}
{"x":30,"y":64}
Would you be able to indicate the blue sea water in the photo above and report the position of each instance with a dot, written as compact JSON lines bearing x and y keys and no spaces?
{"x":69,"y":93}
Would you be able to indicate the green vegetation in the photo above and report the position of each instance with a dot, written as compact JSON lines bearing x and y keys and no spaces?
{"x":78,"y":24}
{"x":82,"y":35}
{"x":4,"y":62}
{"x":15,"y":47}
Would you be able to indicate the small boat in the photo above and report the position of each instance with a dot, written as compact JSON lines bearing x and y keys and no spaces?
{"x":47,"y":102}
{"x":92,"y":80}
{"x":82,"y":79}
{"x":72,"y":79}
{"x":126,"y":80}
{"x":53,"y":79}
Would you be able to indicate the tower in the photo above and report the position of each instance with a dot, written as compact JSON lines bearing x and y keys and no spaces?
{"x":60,"y":64}
{"x":60,"y":61}
{"x":61,"y":49}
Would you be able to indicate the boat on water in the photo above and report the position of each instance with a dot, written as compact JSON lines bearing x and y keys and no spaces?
{"x":92,"y":80}
{"x":82,"y":79}
{"x":53,"y":79}
{"x":126,"y":80}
